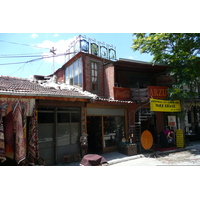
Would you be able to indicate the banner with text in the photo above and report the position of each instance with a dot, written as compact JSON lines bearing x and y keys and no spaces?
{"x":122,"y":93}
{"x":157,"y":92}
{"x":165,"y":105}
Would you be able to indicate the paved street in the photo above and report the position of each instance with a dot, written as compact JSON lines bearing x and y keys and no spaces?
{"x":188,"y":157}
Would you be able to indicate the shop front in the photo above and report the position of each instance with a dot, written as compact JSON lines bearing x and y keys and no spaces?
{"x":105,"y":128}
{"x":59,"y":130}
{"x":167,"y":121}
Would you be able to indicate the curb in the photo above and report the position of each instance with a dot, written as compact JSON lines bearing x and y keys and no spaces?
{"x":118,"y":160}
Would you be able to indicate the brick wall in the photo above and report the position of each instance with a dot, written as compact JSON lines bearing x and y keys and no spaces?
{"x":60,"y":75}
{"x":87,"y":74}
{"x":109,"y":80}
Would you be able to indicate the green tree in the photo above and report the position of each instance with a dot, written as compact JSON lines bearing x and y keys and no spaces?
{"x":181,"y":52}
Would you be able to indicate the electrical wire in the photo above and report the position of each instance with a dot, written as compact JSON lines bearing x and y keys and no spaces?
{"x":24,"y":44}
{"x":20,"y":56}
{"x":39,"y":67}
{"x":43,"y":57}
{"x":18,"y":69}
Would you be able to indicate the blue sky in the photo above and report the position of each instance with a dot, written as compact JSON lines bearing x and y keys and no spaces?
{"x":18,"y":47}
{"x":53,"y":24}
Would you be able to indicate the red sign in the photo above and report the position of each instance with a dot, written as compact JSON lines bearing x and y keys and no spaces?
{"x":122,"y":93}
{"x":157,"y":92}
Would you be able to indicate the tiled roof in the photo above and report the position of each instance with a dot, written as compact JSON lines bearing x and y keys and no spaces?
{"x":16,"y":86}
{"x":25,"y":87}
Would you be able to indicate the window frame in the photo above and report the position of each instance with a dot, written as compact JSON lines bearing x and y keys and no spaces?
{"x":74,"y":70}
{"x":74,"y":119}
{"x":97,"y":84}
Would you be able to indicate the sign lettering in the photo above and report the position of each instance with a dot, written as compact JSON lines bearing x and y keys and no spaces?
{"x":179,"y":138}
{"x":165,"y":105}
{"x":122,"y":93}
{"x":157,"y":92}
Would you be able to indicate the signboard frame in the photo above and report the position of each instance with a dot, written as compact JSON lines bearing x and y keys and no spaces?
{"x":159,"y":105}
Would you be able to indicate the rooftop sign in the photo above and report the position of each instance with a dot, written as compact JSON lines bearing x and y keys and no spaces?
{"x":91,"y":46}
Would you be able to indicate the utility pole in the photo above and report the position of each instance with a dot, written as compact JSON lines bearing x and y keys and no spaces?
{"x":53,"y":51}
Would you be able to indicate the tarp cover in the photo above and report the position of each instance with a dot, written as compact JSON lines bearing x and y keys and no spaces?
{"x":92,"y":160}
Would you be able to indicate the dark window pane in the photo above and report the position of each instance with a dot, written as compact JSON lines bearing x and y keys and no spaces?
{"x":45,"y":117}
{"x":74,"y":117}
{"x":63,"y":117}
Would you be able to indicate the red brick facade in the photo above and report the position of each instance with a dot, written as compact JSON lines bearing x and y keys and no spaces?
{"x":109,"y":80}
{"x":87,"y":74}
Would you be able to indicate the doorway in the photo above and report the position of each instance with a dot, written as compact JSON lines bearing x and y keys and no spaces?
{"x":59,"y":132}
{"x":94,"y":130}
{"x":104,"y":133}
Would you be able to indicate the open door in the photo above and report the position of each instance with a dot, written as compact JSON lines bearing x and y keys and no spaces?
{"x":94,"y":131}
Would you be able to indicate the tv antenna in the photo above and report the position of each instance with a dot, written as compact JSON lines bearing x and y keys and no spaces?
{"x":53,"y":51}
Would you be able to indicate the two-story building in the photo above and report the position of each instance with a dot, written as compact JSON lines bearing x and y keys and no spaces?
{"x":95,"y":96}
{"x":121,"y":106}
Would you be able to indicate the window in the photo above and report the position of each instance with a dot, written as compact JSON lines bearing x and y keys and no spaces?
{"x":68,"y":125}
{"x":95,"y":76}
{"x":66,"y":122}
{"x":113,"y":130}
{"x":73,"y":73}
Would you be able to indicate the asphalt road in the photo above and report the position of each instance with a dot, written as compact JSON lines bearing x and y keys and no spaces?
{"x":190,"y":157}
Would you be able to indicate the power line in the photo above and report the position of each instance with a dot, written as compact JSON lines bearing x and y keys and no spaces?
{"x":43,"y":57}
{"x":18,"y":69}
{"x":24,"y":44}
{"x":20,"y":56}
{"x":53,"y":52}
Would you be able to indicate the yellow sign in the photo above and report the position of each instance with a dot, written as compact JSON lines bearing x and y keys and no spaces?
{"x":165,"y":105}
{"x":179,"y":138}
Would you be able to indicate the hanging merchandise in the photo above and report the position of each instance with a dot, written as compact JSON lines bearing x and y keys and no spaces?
{"x":24,"y":126}
{"x":2,"y":142}
{"x":32,"y":146}
{"x":20,"y":146}
{"x":9,"y":132}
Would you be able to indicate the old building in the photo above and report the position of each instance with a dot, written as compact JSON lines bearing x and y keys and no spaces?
{"x":92,"y":98}
{"x":60,"y":111}
{"x":122,"y":89}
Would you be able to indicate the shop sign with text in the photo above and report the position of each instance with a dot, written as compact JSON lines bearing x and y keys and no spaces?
{"x":179,"y":138}
{"x":165,"y":105}
{"x":157,"y":92}
{"x":122,"y":93}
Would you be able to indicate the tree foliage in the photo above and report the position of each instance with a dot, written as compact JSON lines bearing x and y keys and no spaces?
{"x":181,"y":52}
